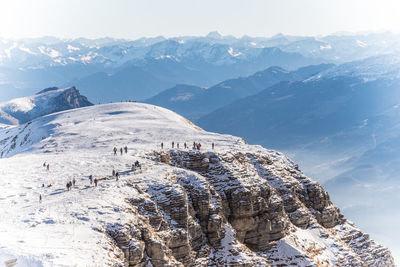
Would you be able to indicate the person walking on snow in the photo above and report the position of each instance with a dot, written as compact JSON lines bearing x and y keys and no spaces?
{"x":194,"y":145}
{"x":113,"y":173}
{"x":40,"y":198}
{"x":48,"y":166}
{"x":73,"y":181}
{"x":212,"y":145}
{"x":117,"y":176}
{"x":173,"y":144}
{"x":115,"y":151}
{"x":95,"y":181}
{"x":121,"y":151}
{"x":126,"y":149}
{"x":184,"y":145}
{"x":162,"y":145}
{"x":44,"y":164}
{"x":91,"y":179}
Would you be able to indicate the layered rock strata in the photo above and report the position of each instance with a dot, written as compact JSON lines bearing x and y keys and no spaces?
{"x":237,"y":209}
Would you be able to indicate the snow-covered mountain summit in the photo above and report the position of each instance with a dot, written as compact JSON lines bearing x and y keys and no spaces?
{"x":21,"y":110}
{"x":235,"y":205}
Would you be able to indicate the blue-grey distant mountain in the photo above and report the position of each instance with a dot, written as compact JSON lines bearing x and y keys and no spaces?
{"x":323,"y":109}
{"x":194,"y":102}
{"x":139,"y":68}
{"x":323,"y":113}
{"x":203,"y":65}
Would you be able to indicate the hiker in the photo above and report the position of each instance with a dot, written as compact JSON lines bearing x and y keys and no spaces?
{"x":68,"y":186}
{"x":91,"y":179}
{"x":44,"y":164}
{"x":177,"y":145}
{"x":172,"y":144}
{"x":48,"y":166}
{"x":184,"y":145}
{"x":95,"y":181}
{"x":126,"y":149}
{"x":40,"y":198}
{"x":133,"y":167}
{"x":194,"y":145}
{"x":115,"y":151}
{"x":49,"y":185}
{"x":162,"y":145}
{"x":137,"y":165}
{"x":121,"y":151}
{"x":117,"y":176}
{"x":113,"y":173}
{"x":198,"y":146}
{"x":212,"y":145}
{"x":73,"y":181}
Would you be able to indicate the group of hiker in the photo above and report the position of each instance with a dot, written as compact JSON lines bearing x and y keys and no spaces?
{"x":116,"y":174}
{"x":46,"y":165}
{"x":70,"y":184}
{"x":196,"y":146}
{"x":121,"y":150}
{"x":91,"y":180}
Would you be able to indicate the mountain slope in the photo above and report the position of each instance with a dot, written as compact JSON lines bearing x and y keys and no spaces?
{"x":291,"y":113}
{"x":194,"y":102}
{"x":239,"y":205}
{"x":50,"y":100}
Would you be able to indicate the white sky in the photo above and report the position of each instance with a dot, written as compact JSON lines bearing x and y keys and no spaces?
{"x":134,"y":19}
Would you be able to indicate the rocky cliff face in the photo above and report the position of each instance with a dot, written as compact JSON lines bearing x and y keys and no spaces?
{"x":69,"y":99}
{"x":238,"y":209}
{"x":45,"y":102}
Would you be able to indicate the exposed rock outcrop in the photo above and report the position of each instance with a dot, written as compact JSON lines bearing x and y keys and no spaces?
{"x":47,"y":101}
{"x":238,"y":209}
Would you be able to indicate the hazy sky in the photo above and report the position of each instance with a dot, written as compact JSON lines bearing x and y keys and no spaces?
{"x":133,"y":19}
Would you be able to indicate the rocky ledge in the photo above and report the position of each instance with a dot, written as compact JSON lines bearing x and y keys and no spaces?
{"x":236,"y":209}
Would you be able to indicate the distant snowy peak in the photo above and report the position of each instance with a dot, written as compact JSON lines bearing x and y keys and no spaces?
{"x":49,"y":100}
{"x":50,"y":51}
{"x":377,"y":67}
{"x":214,"y":35}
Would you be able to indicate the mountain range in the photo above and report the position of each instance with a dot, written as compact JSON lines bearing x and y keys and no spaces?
{"x":109,"y":69}
{"x":194,"y":102}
